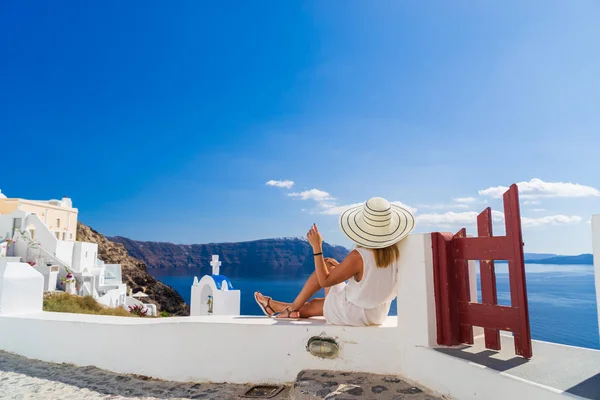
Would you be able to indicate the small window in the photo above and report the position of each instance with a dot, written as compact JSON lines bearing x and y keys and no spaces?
{"x":86,"y":254}
{"x":58,"y":222}
{"x":57,"y":234}
{"x":70,"y":236}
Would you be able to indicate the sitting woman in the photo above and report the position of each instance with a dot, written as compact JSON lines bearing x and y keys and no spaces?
{"x":371,"y":269}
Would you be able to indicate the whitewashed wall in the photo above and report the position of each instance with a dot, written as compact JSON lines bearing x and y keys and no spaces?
{"x":84,"y":255}
{"x":43,"y":235}
{"x":64,"y":251}
{"x":21,"y":288}
{"x":6,"y":224}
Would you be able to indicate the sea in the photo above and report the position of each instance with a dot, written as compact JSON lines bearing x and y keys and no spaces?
{"x":562,"y":299}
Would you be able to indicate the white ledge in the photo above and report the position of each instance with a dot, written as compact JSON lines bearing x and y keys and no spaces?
{"x":390,"y":322}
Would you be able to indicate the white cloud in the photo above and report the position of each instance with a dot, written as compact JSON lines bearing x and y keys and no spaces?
{"x":452,"y":218}
{"x":470,"y":218}
{"x":334,"y":209}
{"x":465,"y":199}
{"x":280,"y":184}
{"x":443,"y":206}
{"x":538,"y":209}
{"x":550,"y":220}
{"x":401,"y":204}
{"x":329,"y":209}
{"x":537,"y":188}
{"x":532,"y":202}
{"x":312,"y":194}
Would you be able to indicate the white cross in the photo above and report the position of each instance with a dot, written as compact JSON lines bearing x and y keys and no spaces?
{"x":215,"y":263}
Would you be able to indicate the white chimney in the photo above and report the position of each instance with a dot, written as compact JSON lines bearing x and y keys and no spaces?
{"x":66,"y":202}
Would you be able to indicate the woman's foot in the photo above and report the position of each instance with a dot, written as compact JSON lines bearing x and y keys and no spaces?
{"x":287,"y":313}
{"x":264,"y":302}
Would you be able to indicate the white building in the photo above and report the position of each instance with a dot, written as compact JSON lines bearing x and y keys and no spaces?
{"x":43,"y":234}
{"x":214,"y":294}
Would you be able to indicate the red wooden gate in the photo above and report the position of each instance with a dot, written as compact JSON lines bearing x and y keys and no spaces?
{"x":456,"y":312}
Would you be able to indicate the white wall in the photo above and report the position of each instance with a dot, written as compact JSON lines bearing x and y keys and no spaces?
{"x":6,"y":223}
{"x":43,"y":235}
{"x":21,"y":288}
{"x":225,"y":349}
{"x":114,"y":297}
{"x":113,"y":269}
{"x":84,"y":255}
{"x":64,"y":251}
{"x":596,"y":247}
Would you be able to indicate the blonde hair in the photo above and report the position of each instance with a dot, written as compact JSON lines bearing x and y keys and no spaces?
{"x":386,"y":256}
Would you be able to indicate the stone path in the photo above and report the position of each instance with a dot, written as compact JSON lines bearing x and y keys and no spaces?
{"x":22,"y":378}
{"x":328,"y":385}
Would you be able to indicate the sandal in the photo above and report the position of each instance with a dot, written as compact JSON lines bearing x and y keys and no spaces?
{"x":265,"y":308}
{"x":287,"y":312}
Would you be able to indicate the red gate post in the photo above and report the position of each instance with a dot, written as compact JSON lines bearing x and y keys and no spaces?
{"x":516,"y":272}
{"x":488,"y":279}
{"x":444,"y":281}
{"x":464,"y":291}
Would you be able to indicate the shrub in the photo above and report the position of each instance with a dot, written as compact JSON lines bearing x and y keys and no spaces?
{"x":68,"y":303}
{"x":163,"y":314}
{"x":138,"y":310}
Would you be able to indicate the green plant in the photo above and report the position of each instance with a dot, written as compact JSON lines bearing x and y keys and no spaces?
{"x":163,"y":314}
{"x":68,"y":303}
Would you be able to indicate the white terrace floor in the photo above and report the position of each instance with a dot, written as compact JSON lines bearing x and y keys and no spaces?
{"x":560,"y":368}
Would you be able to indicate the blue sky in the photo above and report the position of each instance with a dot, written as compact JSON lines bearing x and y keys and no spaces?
{"x":164,"y":121}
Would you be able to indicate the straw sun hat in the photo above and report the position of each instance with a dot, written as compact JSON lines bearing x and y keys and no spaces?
{"x":377,"y":223}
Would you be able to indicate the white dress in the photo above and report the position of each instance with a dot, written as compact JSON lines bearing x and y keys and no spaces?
{"x":366,"y":302}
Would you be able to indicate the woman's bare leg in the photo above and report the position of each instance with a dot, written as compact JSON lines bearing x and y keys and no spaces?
{"x":310,"y":288}
{"x":310,"y":309}
{"x":313,"y":308}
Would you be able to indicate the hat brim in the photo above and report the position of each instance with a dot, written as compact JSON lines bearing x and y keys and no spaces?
{"x":359,"y":231}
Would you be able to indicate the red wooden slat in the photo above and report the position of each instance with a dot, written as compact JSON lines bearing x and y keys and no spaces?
{"x":516,"y":270}
{"x":488,"y":279}
{"x":483,"y":248}
{"x":445,"y":291}
{"x":494,"y":317}
{"x":464,"y":294}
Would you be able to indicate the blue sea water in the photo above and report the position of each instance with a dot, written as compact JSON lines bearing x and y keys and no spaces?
{"x":562,"y":299}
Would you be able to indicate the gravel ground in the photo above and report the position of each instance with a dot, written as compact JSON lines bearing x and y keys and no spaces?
{"x":23,"y":378}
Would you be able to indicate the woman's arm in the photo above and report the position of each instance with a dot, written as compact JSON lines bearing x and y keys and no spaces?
{"x":351,"y":265}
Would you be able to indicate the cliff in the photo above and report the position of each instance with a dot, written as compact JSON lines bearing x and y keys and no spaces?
{"x":134,"y":272}
{"x":283,"y":258}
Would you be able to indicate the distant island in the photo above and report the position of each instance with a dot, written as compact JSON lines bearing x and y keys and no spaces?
{"x":269,"y":258}
{"x":581,"y":259}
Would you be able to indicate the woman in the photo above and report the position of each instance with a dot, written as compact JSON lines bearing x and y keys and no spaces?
{"x":371,"y":269}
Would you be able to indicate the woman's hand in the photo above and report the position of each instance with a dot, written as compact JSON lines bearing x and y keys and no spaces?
{"x":315,"y":239}
{"x":331,"y":261}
